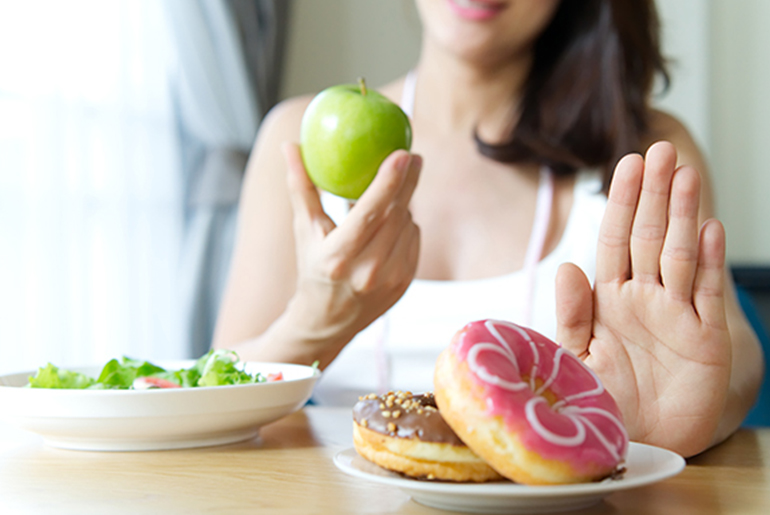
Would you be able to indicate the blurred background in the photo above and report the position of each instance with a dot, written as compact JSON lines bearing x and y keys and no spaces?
{"x":125,"y":126}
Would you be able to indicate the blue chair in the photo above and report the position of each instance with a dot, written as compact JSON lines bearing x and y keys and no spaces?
{"x":760,"y":413}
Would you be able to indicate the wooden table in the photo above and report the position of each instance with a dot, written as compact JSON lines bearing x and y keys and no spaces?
{"x":289,"y":470}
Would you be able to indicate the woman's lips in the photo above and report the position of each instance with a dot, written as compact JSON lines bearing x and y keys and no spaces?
{"x":476,"y":9}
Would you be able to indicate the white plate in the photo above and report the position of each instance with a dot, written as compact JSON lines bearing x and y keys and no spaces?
{"x":645,"y":464}
{"x":140,"y":420}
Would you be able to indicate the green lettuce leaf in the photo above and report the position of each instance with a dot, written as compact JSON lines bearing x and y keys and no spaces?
{"x":121,"y":374}
{"x":51,"y":376}
{"x":218,"y":368}
{"x":186,"y":377}
{"x":215,"y":368}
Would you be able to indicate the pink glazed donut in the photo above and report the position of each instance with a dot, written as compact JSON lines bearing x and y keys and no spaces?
{"x":528,"y":407}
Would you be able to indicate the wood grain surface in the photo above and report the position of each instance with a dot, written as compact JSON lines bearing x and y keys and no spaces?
{"x":289,"y":470}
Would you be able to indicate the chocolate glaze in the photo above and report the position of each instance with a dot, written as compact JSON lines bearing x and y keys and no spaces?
{"x":404,"y":415}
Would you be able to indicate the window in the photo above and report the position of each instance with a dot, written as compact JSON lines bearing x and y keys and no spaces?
{"x":90,"y":192}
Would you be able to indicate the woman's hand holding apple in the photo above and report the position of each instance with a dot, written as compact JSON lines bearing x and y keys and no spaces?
{"x":348,"y":275}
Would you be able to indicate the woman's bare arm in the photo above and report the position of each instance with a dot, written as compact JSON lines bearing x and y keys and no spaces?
{"x":263,"y":272}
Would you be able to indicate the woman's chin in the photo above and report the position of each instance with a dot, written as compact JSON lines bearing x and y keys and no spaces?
{"x":476,"y":49}
{"x":485,"y":31}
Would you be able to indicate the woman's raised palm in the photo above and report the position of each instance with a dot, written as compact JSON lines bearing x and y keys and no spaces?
{"x":653,"y":326}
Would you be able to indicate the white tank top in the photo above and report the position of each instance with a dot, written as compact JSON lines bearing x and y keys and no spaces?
{"x":421,"y":324}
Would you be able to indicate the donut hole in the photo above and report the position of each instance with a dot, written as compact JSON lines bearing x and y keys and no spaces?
{"x":550,"y":397}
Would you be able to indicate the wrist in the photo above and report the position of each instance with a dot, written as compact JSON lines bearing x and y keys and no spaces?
{"x":307,"y":336}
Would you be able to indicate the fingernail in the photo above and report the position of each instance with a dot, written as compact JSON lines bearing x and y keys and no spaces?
{"x":416,"y":162}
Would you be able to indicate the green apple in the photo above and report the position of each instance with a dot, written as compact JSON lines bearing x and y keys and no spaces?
{"x":347,"y":132}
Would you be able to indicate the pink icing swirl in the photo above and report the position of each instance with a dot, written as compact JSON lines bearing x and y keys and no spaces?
{"x":520,"y":370}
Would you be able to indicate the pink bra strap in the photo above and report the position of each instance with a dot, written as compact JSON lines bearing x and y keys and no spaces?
{"x":535,"y":247}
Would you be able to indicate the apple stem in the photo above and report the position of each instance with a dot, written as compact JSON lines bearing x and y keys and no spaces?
{"x":362,"y":85}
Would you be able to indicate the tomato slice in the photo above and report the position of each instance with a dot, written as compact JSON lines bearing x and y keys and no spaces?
{"x":278,"y":376}
{"x":156,"y":382}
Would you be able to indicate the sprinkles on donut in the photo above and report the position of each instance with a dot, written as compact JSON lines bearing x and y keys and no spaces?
{"x":527,"y":406}
{"x":405,"y":433}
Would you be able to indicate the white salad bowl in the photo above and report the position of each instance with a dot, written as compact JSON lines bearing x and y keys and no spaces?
{"x":142,"y":420}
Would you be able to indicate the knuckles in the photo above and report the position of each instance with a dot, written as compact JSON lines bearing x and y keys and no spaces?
{"x":335,"y":268}
{"x":388,"y":272}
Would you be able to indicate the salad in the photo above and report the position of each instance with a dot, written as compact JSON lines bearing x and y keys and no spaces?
{"x":216,"y":368}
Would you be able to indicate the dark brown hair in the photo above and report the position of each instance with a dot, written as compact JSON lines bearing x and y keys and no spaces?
{"x":585,"y":102}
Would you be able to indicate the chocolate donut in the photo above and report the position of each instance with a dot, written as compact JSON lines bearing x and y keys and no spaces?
{"x":406,"y":433}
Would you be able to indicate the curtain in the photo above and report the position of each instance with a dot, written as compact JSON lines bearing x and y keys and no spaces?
{"x":90,"y":191}
{"x":230,"y":56}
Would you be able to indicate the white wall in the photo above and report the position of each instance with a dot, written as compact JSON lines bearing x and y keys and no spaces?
{"x":336,"y":41}
{"x":720,"y":51}
{"x":685,"y":38}
{"x":721,"y":84}
{"x":740,"y":124}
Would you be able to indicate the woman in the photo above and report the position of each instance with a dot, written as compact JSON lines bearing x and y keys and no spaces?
{"x":512,"y":104}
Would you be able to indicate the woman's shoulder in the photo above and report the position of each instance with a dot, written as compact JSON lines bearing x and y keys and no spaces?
{"x":266,"y":168}
{"x":666,"y":126}
{"x":285,"y":117}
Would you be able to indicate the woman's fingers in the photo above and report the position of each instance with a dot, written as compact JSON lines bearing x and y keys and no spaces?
{"x":649,"y":229}
{"x":390,"y":260}
{"x":375,"y":225}
{"x":305,"y":200}
{"x":398,"y":173}
{"x":384,"y":247}
{"x":410,"y":183}
{"x":574,"y":309}
{"x":613,"y":262}
{"x":402,"y":261}
{"x":709,"y":288}
{"x":679,"y":257}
